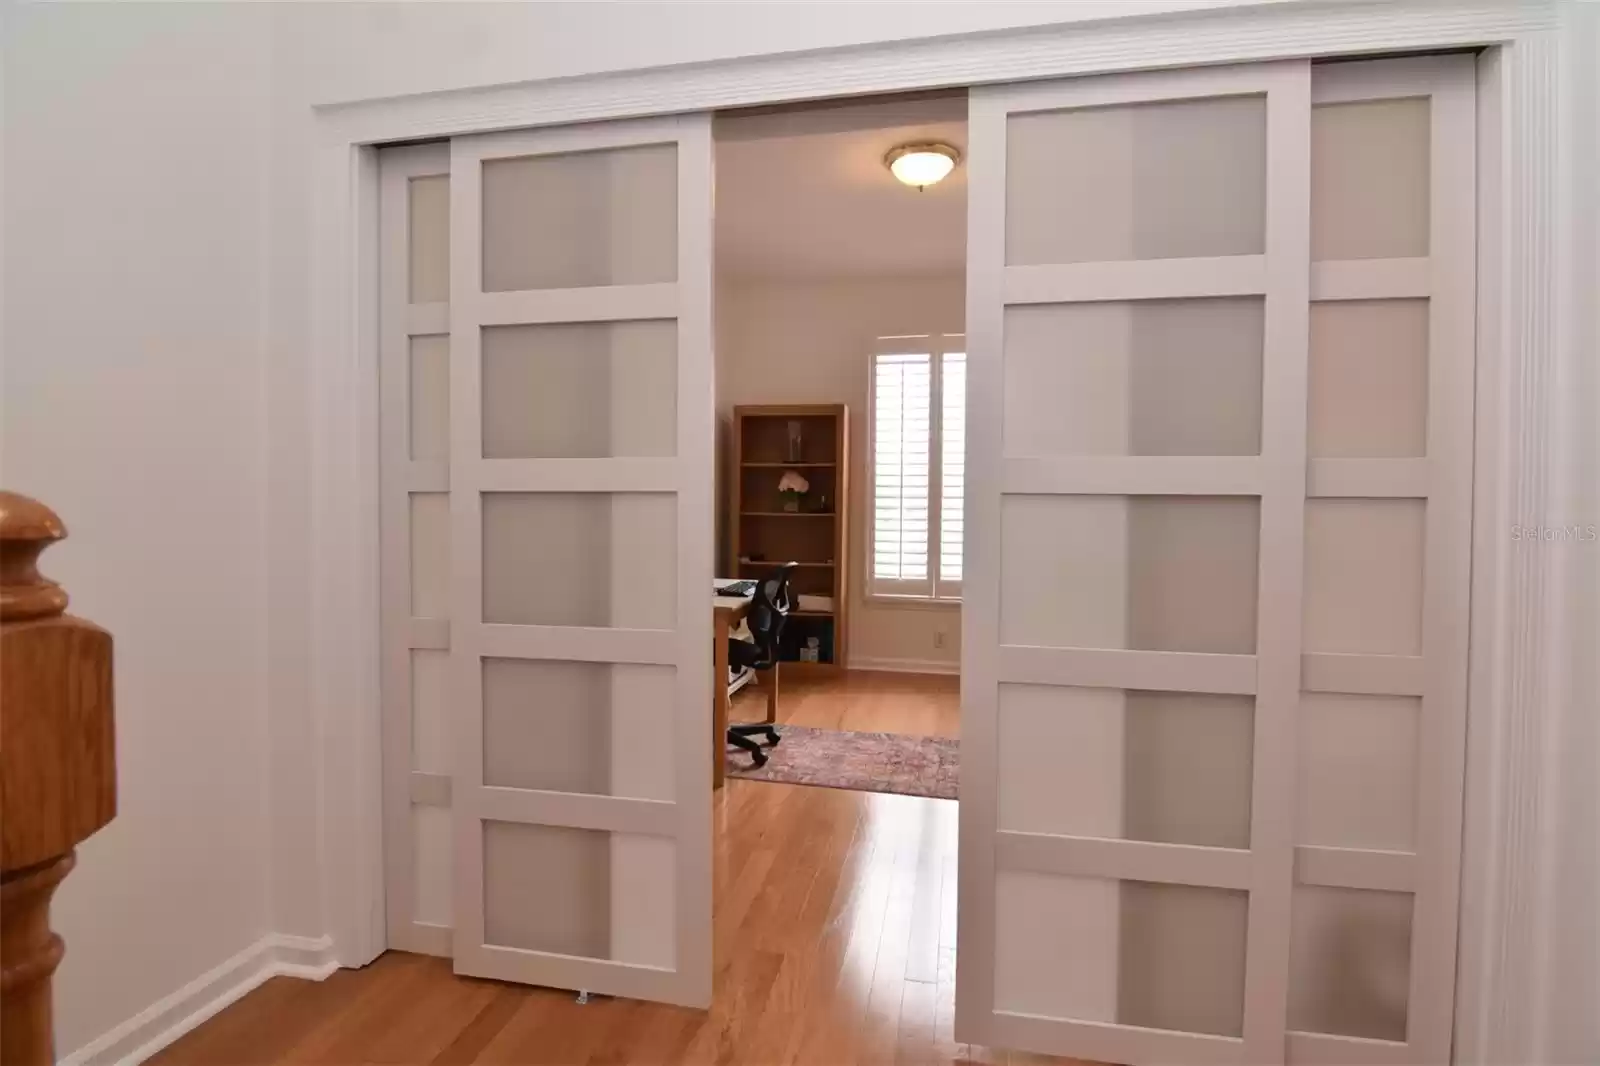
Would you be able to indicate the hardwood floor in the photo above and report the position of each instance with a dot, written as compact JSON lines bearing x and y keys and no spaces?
{"x":835,"y":944}
{"x":919,"y":704}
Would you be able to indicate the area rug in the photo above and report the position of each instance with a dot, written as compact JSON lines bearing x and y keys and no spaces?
{"x":863,"y":762}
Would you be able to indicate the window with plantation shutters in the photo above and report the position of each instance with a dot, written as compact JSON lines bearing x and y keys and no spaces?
{"x":918,"y":418}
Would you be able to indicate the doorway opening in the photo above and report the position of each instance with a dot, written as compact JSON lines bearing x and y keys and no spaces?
{"x":840,"y":294}
{"x":840,"y":371}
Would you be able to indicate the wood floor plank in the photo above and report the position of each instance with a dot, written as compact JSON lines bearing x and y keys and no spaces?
{"x":928,"y":886}
{"x":476,"y":1034}
{"x":280,"y":1014}
{"x":551,"y":1029}
{"x":945,"y":1046}
{"x":914,"y":1038}
{"x":866,"y":701}
{"x":665,"y":1038}
{"x":834,"y":943}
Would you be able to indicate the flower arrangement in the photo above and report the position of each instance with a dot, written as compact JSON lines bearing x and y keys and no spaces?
{"x":791,"y":487}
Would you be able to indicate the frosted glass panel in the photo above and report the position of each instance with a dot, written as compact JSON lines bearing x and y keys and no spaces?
{"x":430,"y":711}
{"x":432,"y":864}
{"x":1369,"y":179}
{"x":1152,"y":377}
{"x":1358,"y":771}
{"x":585,"y":390}
{"x":1350,"y":962}
{"x":1170,"y":767}
{"x":430,"y":397}
{"x":1363,"y":587}
{"x":429,"y":253}
{"x":1160,"y":573}
{"x":586,"y":218}
{"x":599,"y":728}
{"x":430,"y":555}
{"x":1369,"y":379}
{"x":1129,"y":952}
{"x":599,"y":895}
{"x":580,"y":559}
{"x":1146,"y":181}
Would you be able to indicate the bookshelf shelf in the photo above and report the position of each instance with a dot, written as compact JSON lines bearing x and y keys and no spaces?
{"x":788,"y":466}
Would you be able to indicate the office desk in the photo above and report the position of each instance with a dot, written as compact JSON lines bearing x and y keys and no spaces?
{"x":726,"y":612}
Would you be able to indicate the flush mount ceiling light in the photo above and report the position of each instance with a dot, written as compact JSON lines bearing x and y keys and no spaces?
{"x":921,"y":165}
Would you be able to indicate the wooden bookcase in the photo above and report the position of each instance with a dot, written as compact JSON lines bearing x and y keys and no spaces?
{"x":763,"y":534}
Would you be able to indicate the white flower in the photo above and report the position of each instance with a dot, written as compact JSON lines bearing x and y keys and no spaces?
{"x":793,"y":482}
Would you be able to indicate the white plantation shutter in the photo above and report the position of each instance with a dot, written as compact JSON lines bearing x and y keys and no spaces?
{"x":919,"y":394}
{"x":902,"y":427}
{"x":952,"y":470}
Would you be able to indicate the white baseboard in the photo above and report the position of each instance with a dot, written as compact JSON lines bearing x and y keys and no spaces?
{"x":906,"y":666}
{"x":274,"y":955}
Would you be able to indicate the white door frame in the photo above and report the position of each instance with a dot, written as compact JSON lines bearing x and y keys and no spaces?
{"x":1526,"y":348}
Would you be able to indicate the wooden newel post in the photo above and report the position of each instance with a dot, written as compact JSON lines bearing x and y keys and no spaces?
{"x":58,"y":780}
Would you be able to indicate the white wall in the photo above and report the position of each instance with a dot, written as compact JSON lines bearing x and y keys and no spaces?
{"x":1572,"y":1027}
{"x":296,"y":847}
{"x":810,"y":342}
{"x":134,"y":215}
{"x":342,"y":52}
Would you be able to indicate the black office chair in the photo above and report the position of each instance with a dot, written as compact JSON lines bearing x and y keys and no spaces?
{"x":769,"y":610}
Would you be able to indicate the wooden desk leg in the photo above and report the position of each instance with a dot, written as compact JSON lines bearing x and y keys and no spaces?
{"x":772,"y":693}
{"x":719,"y":699}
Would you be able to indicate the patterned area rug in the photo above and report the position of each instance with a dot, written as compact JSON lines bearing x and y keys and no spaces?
{"x":864,"y":762}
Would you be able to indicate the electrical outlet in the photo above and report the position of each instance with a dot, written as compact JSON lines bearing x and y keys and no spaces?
{"x":938,"y":638}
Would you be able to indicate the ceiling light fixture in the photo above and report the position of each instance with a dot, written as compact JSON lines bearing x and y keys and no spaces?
{"x":921,"y":165}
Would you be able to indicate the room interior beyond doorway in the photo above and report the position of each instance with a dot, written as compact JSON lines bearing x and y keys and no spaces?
{"x":821,"y":254}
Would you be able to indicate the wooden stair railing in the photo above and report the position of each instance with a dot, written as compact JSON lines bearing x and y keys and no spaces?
{"x":58,"y":779}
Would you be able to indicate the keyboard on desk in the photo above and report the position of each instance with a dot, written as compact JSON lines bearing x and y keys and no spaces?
{"x":737,"y":588}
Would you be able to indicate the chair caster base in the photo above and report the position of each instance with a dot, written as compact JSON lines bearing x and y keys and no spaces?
{"x":748,"y":738}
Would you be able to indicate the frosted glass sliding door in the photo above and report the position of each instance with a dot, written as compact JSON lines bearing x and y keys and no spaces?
{"x":1220,"y":365}
{"x":547,"y":469}
{"x":580,"y":470}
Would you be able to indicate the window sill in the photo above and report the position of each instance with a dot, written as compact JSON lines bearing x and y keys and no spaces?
{"x":911,"y":603}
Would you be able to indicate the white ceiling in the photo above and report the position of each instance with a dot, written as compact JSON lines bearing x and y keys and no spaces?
{"x":804,"y":194}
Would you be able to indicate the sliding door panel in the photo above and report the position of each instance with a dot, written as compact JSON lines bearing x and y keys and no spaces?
{"x":1381,"y":721}
{"x":414,"y":450}
{"x":1219,"y":448}
{"x":580,"y":540}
